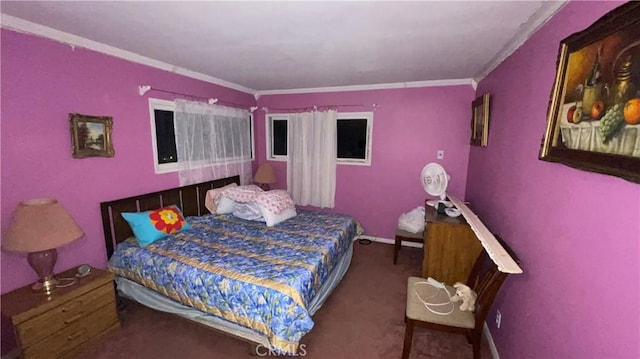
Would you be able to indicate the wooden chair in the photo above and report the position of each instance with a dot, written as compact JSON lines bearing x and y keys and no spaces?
{"x":485,"y":279}
{"x":405,"y":236}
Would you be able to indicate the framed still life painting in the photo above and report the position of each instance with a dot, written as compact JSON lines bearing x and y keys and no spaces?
{"x":480,"y":121}
{"x":91,"y":136}
{"x":593,"y":121}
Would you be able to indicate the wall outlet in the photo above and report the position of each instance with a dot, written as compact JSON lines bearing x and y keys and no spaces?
{"x":440,"y":155}
{"x":498,"y":319}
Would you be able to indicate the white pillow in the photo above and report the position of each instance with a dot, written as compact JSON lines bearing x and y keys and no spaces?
{"x":249,"y":211}
{"x":225,"y":205}
{"x":274,"y":218}
{"x":210,"y":198}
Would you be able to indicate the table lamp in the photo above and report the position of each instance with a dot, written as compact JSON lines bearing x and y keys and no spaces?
{"x":39,"y":227}
{"x":265,"y":176}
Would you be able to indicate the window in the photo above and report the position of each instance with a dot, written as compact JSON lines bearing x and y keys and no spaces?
{"x":353,"y":137}
{"x":163,"y":136}
{"x":277,"y":131}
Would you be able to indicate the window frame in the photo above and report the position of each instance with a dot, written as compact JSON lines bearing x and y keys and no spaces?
{"x":367,"y":153}
{"x":168,"y":105}
{"x":269,"y":117}
{"x":165,"y":105}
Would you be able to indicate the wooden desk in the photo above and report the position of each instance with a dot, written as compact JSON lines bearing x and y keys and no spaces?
{"x":450,"y":247}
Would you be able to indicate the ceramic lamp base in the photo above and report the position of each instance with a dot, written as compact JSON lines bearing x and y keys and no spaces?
{"x":42,"y":263}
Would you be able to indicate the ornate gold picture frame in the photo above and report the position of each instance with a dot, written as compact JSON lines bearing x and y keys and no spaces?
{"x":480,"y":121}
{"x":91,"y":136}
{"x":593,"y":121}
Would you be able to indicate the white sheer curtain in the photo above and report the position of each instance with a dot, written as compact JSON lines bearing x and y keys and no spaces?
{"x":212,"y":142}
{"x":311,"y":167}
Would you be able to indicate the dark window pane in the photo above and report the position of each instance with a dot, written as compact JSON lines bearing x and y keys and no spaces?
{"x":352,"y":138}
{"x":165,"y":137}
{"x":279,"y":131}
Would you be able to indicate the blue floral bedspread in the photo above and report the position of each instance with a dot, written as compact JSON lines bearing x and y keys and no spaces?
{"x":260,"y":277}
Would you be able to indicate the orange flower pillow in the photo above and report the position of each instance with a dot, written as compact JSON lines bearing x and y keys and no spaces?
{"x":150,"y":226}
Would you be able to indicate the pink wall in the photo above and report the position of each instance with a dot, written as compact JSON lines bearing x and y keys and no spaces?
{"x":577,"y":232}
{"x":42,"y":82}
{"x":408,"y":128}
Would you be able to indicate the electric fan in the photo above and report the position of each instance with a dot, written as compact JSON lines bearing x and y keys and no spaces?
{"x":435,"y":180}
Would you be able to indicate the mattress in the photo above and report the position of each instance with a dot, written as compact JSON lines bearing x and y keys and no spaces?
{"x":261,"y":278}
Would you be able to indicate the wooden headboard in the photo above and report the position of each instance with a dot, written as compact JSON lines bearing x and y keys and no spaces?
{"x":190,"y":199}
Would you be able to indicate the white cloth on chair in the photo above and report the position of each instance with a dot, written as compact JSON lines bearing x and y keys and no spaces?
{"x":413,"y":221}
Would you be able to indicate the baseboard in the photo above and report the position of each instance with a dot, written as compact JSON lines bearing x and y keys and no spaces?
{"x":492,"y":345}
{"x":391,"y":241}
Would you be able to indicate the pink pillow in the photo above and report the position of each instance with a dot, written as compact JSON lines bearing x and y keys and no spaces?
{"x":210,"y":200}
{"x":242,"y":194}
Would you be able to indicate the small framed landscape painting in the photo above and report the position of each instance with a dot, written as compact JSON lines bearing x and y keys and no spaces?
{"x":91,"y":136}
{"x":593,"y":120}
{"x":480,"y":121}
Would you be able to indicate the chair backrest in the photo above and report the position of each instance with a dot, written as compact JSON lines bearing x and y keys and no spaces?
{"x":485,"y":279}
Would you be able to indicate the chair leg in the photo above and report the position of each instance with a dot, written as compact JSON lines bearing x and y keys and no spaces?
{"x":476,"y":342}
{"x":396,"y":249}
{"x":469,"y":336}
{"x":408,"y":338}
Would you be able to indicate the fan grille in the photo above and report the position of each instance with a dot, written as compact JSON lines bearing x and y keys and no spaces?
{"x":434,"y":179}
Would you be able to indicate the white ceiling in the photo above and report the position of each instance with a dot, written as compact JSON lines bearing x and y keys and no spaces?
{"x":268,"y":46}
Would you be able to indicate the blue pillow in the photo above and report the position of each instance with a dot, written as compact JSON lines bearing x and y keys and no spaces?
{"x":150,"y":226}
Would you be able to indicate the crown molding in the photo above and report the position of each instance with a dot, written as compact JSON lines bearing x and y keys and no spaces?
{"x":540,"y":17}
{"x":395,"y":85}
{"x":19,"y":25}
{"x":16,"y":24}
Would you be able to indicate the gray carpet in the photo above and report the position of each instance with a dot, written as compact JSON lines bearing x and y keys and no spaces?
{"x":363,"y":318}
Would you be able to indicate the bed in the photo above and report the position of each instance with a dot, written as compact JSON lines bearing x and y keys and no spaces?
{"x":257,"y":283}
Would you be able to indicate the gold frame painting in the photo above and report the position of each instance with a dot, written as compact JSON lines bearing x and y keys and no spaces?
{"x":480,"y":121}
{"x":593,"y":120}
{"x":91,"y":136}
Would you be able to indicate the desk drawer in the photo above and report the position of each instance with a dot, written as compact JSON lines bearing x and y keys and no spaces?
{"x":35,"y":330}
{"x":74,"y":334}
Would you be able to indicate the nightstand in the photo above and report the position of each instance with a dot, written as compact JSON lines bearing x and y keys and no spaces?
{"x":67,"y":321}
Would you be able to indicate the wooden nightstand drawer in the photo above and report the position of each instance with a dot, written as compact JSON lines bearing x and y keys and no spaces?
{"x":64,"y":316}
{"x":75,"y":334}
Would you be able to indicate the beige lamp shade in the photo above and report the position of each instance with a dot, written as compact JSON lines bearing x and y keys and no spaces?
{"x":39,"y":225}
{"x":265,"y":174}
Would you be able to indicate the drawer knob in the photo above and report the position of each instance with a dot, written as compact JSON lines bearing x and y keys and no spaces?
{"x":73,"y":319}
{"x":70,"y":307}
{"x":76,"y":335}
